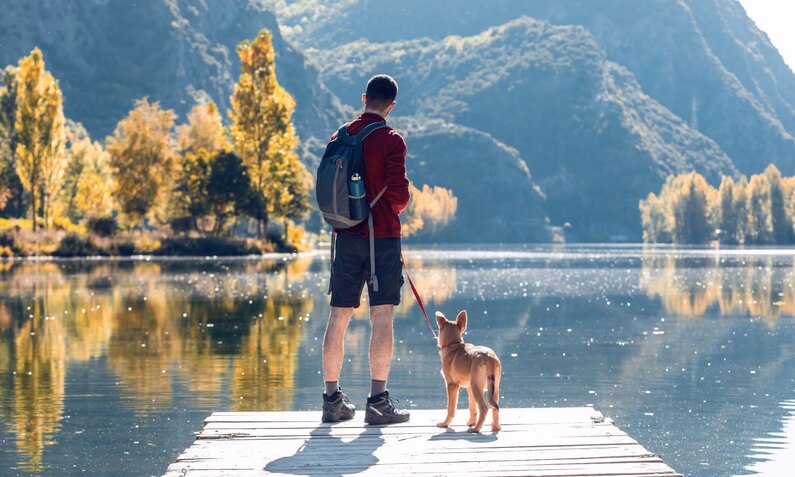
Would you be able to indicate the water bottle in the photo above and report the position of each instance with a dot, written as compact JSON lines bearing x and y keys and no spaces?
{"x":356,"y":198}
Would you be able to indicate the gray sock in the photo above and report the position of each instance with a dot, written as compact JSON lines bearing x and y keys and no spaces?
{"x":377,"y":387}
{"x":331,"y":387}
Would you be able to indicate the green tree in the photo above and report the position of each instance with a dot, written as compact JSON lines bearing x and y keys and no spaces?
{"x":39,"y":134}
{"x":9,"y":182}
{"x":142,"y":158}
{"x":263,"y":133}
{"x":229,"y":191}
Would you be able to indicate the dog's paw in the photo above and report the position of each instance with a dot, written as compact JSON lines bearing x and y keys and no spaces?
{"x":442,"y":424}
{"x":471,"y":423}
{"x":496,"y":427}
{"x":473,"y":430}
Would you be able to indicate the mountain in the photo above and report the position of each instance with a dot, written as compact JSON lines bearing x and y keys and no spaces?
{"x":704,"y":60}
{"x":498,"y":202}
{"x":578,"y":120}
{"x":107,"y":53}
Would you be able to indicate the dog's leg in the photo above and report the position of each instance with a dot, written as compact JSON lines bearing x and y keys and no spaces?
{"x":473,"y":410}
{"x":494,"y":395}
{"x":452,"y":402}
{"x":478,"y":383}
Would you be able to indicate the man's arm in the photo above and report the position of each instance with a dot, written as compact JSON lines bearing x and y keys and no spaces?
{"x":397,"y":184}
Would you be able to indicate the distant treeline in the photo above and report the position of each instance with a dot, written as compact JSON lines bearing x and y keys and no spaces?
{"x":688,"y":210}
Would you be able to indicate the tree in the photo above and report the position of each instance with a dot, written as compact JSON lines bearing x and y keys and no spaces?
{"x":9,"y":181}
{"x":262,"y":130}
{"x":200,"y":142}
{"x":142,"y":158}
{"x":430,"y":210}
{"x":760,"y":221}
{"x":229,"y":190}
{"x":86,"y":193}
{"x":39,"y":134}
{"x":741,"y":210}
{"x":204,"y":130}
{"x":779,"y":213}
{"x":655,"y":219}
{"x":690,"y":207}
{"x":727,"y":213}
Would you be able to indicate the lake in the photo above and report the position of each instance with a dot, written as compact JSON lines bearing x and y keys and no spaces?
{"x":108,"y":367}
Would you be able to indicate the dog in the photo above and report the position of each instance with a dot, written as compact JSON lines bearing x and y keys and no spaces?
{"x":472,"y":367}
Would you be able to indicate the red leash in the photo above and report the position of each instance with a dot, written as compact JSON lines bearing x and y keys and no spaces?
{"x":417,"y":297}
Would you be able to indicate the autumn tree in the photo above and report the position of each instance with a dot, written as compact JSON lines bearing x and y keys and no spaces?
{"x":655,"y":219}
{"x":86,"y":193}
{"x":142,"y":158}
{"x":200,"y":142}
{"x":9,"y":181}
{"x":263,"y":132}
{"x":430,"y":210}
{"x":40,"y":157}
{"x":760,"y":220}
{"x":780,"y":219}
{"x":690,"y":209}
{"x":727,"y":212}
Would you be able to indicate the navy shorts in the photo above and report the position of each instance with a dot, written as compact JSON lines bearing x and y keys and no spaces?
{"x":351,"y":270}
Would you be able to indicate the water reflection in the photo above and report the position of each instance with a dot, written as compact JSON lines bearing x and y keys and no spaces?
{"x":226,"y":333}
{"x":694,"y":286}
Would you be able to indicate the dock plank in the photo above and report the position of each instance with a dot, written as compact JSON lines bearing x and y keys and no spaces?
{"x":532,"y":442}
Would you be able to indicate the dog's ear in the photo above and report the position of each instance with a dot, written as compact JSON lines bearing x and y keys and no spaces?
{"x":440,"y":319}
{"x":461,"y":320}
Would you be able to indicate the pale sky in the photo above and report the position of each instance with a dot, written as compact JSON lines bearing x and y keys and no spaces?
{"x":777,"y":19}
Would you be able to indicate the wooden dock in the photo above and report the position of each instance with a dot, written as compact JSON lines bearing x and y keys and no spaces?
{"x":533,"y":442}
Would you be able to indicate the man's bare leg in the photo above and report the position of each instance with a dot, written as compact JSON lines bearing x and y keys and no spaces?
{"x":381,"y":344}
{"x":333,"y":344}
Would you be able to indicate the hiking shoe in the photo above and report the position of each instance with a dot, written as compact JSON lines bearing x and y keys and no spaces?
{"x":381,"y":410}
{"x":337,"y":407}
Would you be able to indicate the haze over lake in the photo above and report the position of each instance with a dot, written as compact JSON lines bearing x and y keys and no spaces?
{"x":109,"y":367}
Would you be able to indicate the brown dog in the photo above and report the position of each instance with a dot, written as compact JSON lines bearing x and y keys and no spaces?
{"x":469,"y":366}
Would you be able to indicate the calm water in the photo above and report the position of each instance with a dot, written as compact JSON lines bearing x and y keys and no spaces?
{"x":109,"y":367}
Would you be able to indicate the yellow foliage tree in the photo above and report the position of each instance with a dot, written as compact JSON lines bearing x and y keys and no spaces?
{"x":142,"y":158}
{"x":39,"y":134}
{"x":204,"y":130}
{"x":430,"y":209}
{"x":263,"y":132}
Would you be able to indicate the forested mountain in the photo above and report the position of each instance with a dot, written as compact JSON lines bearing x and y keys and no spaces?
{"x":578,"y":120}
{"x":572,"y":109}
{"x":107,"y":53}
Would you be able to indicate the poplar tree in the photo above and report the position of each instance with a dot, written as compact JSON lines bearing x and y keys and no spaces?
{"x":263,"y":132}
{"x":142,"y":158}
{"x":40,"y":158}
{"x":727,"y":213}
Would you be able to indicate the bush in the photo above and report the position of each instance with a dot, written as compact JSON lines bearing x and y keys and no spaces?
{"x":181,"y":225}
{"x":103,"y":226}
{"x":74,"y":245}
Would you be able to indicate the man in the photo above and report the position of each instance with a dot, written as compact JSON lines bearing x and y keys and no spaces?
{"x":384,"y":154}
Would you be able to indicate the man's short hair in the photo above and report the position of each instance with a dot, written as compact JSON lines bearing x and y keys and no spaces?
{"x":381,"y":91}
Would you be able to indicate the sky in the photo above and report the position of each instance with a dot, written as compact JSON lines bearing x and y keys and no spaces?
{"x":776,"y":18}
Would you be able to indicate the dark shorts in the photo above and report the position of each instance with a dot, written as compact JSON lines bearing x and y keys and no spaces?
{"x":351,"y":270}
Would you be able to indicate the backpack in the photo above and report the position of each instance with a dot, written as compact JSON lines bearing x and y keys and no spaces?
{"x":343,"y":158}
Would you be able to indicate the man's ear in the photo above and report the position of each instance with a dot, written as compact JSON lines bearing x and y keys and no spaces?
{"x":461,"y":320}
{"x":440,"y":319}
{"x":364,"y":99}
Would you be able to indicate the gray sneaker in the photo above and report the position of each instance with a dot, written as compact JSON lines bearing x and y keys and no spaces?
{"x":337,"y":407}
{"x":381,"y":410}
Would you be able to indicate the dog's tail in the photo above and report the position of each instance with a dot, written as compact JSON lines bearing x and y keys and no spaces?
{"x":494,"y":383}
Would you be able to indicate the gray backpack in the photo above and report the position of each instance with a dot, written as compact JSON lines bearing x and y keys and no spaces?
{"x":341,"y":161}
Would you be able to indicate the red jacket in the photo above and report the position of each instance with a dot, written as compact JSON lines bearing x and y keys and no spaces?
{"x":384,"y":166}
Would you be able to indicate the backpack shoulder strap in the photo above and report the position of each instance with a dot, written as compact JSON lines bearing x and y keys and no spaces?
{"x":344,"y":137}
{"x":368,"y":129}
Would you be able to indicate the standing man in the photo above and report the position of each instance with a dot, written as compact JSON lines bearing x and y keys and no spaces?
{"x":384,"y":153}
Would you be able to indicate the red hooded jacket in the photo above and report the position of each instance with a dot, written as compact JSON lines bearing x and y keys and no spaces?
{"x":384,"y":153}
